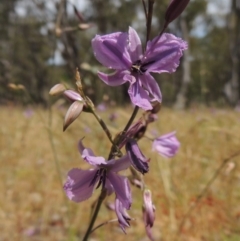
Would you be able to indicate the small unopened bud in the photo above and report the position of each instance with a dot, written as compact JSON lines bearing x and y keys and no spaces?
{"x":72,"y":95}
{"x":148,"y":212}
{"x":174,"y":9}
{"x":137,"y":159}
{"x":57,"y":89}
{"x":84,"y":26}
{"x":72,"y":114}
{"x":12,"y":86}
{"x":58,"y":32}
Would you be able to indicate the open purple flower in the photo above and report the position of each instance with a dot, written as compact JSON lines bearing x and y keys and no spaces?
{"x":123,"y":53}
{"x":166,"y":145}
{"x":80,"y":183}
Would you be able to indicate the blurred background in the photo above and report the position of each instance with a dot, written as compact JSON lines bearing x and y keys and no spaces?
{"x":42,"y":42}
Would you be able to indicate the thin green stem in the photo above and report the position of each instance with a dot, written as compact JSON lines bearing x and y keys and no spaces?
{"x":145,"y":8}
{"x":49,"y":130}
{"x":135,"y":111}
{"x":104,"y":127}
{"x":149,"y":18}
{"x":95,"y":214}
{"x":121,"y":136}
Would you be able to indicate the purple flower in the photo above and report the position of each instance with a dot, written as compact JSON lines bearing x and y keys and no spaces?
{"x":102,"y":107}
{"x":138,"y":160}
{"x":123,"y":53}
{"x":166,"y":145}
{"x":148,"y":212}
{"x":80,"y":183}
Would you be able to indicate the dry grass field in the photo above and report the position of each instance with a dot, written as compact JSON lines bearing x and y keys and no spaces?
{"x":35,"y":156}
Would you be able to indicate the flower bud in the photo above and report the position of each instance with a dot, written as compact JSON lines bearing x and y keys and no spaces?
{"x":72,"y":114}
{"x":148,"y":212}
{"x":72,"y":95}
{"x":174,"y":9}
{"x":57,"y":89}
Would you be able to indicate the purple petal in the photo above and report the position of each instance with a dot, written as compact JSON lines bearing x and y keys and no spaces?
{"x":139,"y":96}
{"x":109,"y":187}
{"x":114,"y":79}
{"x":151,"y":86}
{"x":77,"y":186}
{"x":123,"y":217}
{"x":122,"y":188}
{"x":166,"y":145}
{"x":119,"y":164}
{"x":138,"y":160}
{"x":72,"y":95}
{"x":163,"y":54}
{"x":72,"y":114}
{"x":89,"y":157}
{"x":134,"y":45}
{"x":110,"y":50}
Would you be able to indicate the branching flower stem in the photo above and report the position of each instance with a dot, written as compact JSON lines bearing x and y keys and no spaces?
{"x":122,"y":134}
{"x":106,"y":130}
{"x":115,"y":144}
{"x":103,"y":192}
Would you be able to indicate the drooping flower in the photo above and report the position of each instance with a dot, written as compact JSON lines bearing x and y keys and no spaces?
{"x":80,"y":183}
{"x":148,"y":212}
{"x":166,"y":145}
{"x":138,"y":160}
{"x":123,"y":52}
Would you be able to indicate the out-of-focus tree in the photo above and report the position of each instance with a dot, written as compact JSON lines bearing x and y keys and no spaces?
{"x":31,"y":39}
{"x":232,"y":87}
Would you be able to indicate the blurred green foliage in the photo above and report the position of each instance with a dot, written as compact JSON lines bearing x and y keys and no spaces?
{"x":29,"y":43}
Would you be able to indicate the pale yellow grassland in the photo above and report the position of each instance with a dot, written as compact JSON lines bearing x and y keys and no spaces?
{"x":32,"y":198}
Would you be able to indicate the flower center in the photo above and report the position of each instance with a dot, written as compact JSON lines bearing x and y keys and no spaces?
{"x":137,"y":67}
{"x":100,"y":177}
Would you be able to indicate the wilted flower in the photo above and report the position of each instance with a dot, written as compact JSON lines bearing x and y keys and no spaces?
{"x":123,"y":52}
{"x":123,"y":217}
{"x":138,"y":160}
{"x":80,"y":184}
{"x":166,"y":145}
{"x":148,"y":212}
